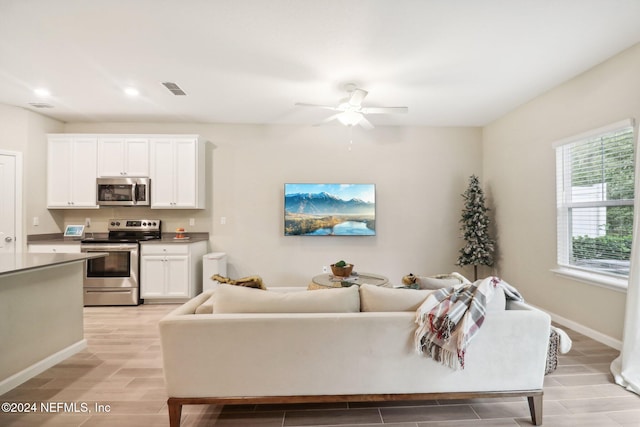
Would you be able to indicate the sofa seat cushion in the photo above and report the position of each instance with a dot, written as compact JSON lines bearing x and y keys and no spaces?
{"x":234,"y":299}
{"x":376,"y":298}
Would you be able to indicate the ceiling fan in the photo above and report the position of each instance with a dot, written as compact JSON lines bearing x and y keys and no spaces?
{"x":350,"y":111}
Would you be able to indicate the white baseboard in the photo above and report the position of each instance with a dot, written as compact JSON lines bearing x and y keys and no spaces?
{"x":588,"y":332}
{"x":37,"y":368}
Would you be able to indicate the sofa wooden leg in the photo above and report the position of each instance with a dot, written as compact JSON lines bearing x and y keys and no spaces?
{"x":535,"y":408}
{"x":175,"y":412}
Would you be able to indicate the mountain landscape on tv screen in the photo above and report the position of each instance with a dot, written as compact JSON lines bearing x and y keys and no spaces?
{"x":326,"y":204}
{"x":323,"y":213}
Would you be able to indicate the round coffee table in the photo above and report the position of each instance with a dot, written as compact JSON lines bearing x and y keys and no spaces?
{"x":358,"y":279}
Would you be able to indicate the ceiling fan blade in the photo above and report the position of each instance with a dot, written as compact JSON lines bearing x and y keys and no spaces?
{"x":328,"y":119}
{"x":357,"y":96}
{"x":385,"y":110}
{"x":366,"y":124}
{"x":326,"y":107}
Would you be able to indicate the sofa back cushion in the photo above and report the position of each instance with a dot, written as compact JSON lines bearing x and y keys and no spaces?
{"x":234,"y":299}
{"x":376,"y":298}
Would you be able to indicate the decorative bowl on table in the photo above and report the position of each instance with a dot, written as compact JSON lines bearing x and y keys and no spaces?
{"x":342,"y":271}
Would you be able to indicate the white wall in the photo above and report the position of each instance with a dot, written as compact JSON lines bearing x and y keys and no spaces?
{"x":25,"y":132}
{"x":419,"y":175}
{"x":519,"y":171}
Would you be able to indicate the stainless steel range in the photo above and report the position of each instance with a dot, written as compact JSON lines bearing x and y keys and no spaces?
{"x":115,"y":279}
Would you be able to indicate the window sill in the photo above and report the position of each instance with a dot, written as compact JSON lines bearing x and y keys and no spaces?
{"x":595,"y":279}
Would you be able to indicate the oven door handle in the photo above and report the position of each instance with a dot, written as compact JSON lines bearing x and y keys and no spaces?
{"x":108,"y":247}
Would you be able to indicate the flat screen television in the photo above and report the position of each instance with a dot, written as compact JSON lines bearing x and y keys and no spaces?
{"x":329,"y":209}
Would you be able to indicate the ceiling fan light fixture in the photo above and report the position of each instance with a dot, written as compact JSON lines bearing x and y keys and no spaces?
{"x":42,"y":92}
{"x":351,"y":112}
{"x":349,"y":118}
{"x":131,"y":91}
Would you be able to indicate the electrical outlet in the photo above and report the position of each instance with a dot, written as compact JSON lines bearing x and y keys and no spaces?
{"x":223,"y":220}
{"x":324,"y":269}
{"x":87,"y":222}
{"x":192,"y":222}
{"x":36,"y":221}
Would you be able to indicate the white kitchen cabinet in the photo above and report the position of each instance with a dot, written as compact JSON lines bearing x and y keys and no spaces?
{"x":123,"y":155}
{"x":177,"y":172}
{"x":54,"y":248}
{"x":71,"y":171}
{"x":171,"y":271}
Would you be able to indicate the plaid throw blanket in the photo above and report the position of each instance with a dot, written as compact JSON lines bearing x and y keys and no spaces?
{"x":450,"y":317}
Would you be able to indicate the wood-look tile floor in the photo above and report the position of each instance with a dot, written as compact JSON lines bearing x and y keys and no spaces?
{"x":121,"y":372}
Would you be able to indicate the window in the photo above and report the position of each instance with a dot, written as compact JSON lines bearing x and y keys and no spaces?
{"x":595,"y":191}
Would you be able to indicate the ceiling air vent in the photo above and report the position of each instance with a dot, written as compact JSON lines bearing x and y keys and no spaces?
{"x":40,"y":105}
{"x":174,"y":88}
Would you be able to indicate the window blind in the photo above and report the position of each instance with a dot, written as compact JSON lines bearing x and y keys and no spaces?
{"x":595,"y":191}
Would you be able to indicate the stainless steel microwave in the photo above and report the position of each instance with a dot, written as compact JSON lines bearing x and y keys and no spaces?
{"x":123,"y":191}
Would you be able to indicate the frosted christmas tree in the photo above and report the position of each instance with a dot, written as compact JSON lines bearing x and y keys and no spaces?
{"x":475,"y":229}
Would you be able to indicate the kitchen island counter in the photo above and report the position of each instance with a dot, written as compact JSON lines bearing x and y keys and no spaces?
{"x":23,"y":261}
{"x":41,"y":313}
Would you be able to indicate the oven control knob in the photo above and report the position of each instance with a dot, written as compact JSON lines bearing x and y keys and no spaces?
{"x":113,"y":223}
{"x":144,"y":224}
{"x":154,"y":224}
{"x":118,"y":223}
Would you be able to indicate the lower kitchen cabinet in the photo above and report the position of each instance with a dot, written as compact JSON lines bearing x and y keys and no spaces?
{"x":171,"y":271}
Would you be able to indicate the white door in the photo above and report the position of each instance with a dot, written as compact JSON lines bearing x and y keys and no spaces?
{"x":8,"y":202}
{"x":59,"y":172}
{"x":137,"y":157}
{"x":185,"y":173}
{"x":177,"y":276}
{"x":153,"y":273}
{"x":110,"y":157}
{"x":162,"y":173}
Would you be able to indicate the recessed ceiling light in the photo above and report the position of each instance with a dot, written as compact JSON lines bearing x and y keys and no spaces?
{"x":42,"y":92}
{"x":131,"y":91}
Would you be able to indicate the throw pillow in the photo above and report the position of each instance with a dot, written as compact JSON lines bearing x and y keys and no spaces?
{"x":376,"y":298}
{"x":249,"y":281}
{"x":438,"y":281}
{"x":235,"y":299}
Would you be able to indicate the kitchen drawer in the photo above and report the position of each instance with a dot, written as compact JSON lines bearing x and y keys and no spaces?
{"x":70,"y":248}
{"x":155,"y":249}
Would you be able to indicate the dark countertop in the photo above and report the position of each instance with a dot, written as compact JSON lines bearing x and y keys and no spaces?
{"x":51,"y":239}
{"x":58,"y":239}
{"x":23,"y":261}
{"x":170,"y":238}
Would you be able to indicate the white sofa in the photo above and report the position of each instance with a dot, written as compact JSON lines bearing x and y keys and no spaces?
{"x":236,"y":356}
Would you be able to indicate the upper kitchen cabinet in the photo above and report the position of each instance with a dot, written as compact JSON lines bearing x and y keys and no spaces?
{"x":72,"y":171}
{"x":125,"y":156}
{"x":177,"y":172}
